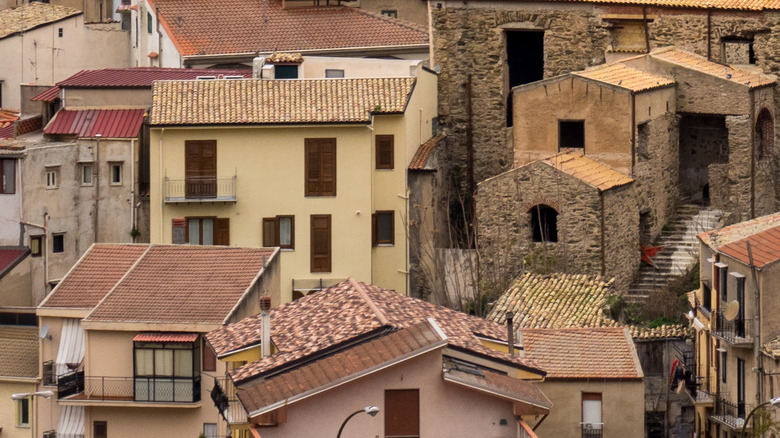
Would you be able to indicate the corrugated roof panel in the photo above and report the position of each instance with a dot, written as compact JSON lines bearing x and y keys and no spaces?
{"x":703,"y":65}
{"x":49,"y":95}
{"x":89,"y":123}
{"x":141,"y":77}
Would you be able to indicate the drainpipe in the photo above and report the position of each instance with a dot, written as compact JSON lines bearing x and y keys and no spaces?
{"x":603,"y":250}
{"x":752,"y":157}
{"x":132,"y":187}
{"x":758,"y":359}
{"x":96,"y":220}
{"x":510,"y":332}
{"x":647,"y":30}
{"x":162,"y":183}
{"x":633,"y":132}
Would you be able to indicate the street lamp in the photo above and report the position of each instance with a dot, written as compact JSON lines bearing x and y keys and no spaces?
{"x":31,"y":395}
{"x":370,"y":410}
{"x":774,"y":402}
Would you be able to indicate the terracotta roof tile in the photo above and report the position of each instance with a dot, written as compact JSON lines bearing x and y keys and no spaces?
{"x":141,"y":77}
{"x":350,"y":310}
{"x":257,"y":101}
{"x":19,"y":346}
{"x":606,"y":353}
{"x":621,"y":75}
{"x":733,"y":233}
{"x":30,"y":16}
{"x":765,"y":247}
{"x":284,"y":58}
{"x":588,"y":171}
{"x":753,"y":5}
{"x":500,"y":385}
{"x":251,"y":26}
{"x":703,"y":65}
{"x":108,"y":123}
{"x":772,"y":347}
{"x":165,"y":337}
{"x":182,"y":284}
{"x":12,"y":150}
{"x":420,"y":159}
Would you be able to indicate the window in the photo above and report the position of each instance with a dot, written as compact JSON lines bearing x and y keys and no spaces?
{"x":571,"y":134}
{"x":320,"y":243}
{"x":384,"y":151}
{"x":643,"y":142}
{"x":402,"y":413}
{"x":320,"y":166}
{"x":628,"y":35}
{"x":58,"y":243}
{"x":100,"y":429}
{"x":544,"y":223}
{"x":52,"y":177}
{"x":390,"y":12}
{"x":148,"y":23}
{"x":8,"y":176}
{"x":524,"y":61}
{"x":334,"y":74}
{"x":723,"y":361}
{"x":36,"y":246}
{"x":279,"y":231}
{"x":86,"y":174}
{"x":200,"y":169}
{"x":59,"y":32}
{"x":286,"y":71}
{"x":167,"y":372}
{"x":210,"y":430}
{"x":207,"y":231}
{"x":706,"y":299}
{"x":115,"y":170}
{"x":383,"y":228}
{"x":591,"y":413}
{"x":723,"y":277}
{"x":765,"y":134}
{"x":23,"y":413}
{"x":740,"y":388}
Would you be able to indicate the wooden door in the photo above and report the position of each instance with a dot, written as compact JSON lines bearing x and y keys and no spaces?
{"x":200,"y":168}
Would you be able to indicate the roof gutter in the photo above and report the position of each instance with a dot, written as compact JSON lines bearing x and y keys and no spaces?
{"x":422,"y":48}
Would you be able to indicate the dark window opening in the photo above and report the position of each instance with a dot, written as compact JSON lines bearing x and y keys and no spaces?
{"x":286,"y":71}
{"x":765,"y":134}
{"x":58,"y":243}
{"x":7,"y":176}
{"x":59,"y":32}
{"x":390,"y":13}
{"x":571,"y":134}
{"x":643,"y":142}
{"x":723,"y":366}
{"x":706,"y":299}
{"x":100,"y":429}
{"x":15,"y":318}
{"x":544,"y":222}
{"x":525,"y":61}
{"x":724,"y":283}
{"x":383,"y":228}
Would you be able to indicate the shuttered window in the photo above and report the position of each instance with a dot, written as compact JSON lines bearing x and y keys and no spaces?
{"x":320,"y":243}
{"x":279,"y":231}
{"x":320,"y":167}
{"x":383,"y":228}
{"x":200,"y":168}
{"x":402,"y":413}
{"x":204,"y":231}
{"x":384,"y":151}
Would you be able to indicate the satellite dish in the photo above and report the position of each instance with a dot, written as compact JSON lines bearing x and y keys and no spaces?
{"x":44,"y":331}
{"x":731,"y":310}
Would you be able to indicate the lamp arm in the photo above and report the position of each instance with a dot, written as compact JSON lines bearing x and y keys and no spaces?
{"x":345,"y":422}
{"x":744,"y":425}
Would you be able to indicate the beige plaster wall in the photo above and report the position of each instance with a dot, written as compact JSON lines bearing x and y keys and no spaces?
{"x":10,"y":211}
{"x":8,"y":409}
{"x":622,"y":408}
{"x":314,"y":67}
{"x":415,"y":11}
{"x":15,"y":285}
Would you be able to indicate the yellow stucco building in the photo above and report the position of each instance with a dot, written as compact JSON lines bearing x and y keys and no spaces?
{"x":317,"y":167}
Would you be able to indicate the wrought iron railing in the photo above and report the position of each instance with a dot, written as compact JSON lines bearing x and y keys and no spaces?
{"x":49,"y":377}
{"x":200,"y":188}
{"x":730,"y":413}
{"x":70,"y":384}
{"x":737,"y":331}
{"x":50,"y":434}
{"x":224,"y":396}
{"x":702,"y":393}
{"x":592,"y":430}
{"x":143,"y":389}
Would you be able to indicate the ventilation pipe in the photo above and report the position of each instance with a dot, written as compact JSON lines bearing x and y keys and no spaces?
{"x":265,"y":325}
{"x":510,"y":332}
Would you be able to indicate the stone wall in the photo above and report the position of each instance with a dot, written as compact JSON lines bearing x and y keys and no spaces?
{"x":621,"y":235}
{"x":739,"y":173}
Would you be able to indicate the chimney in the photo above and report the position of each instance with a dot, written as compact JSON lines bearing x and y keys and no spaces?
{"x":510,"y":332}
{"x":265,"y":325}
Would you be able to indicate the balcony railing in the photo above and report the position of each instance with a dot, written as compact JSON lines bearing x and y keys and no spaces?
{"x":70,"y":384}
{"x":224,"y":396}
{"x":729,"y":413}
{"x":737,"y":331}
{"x":592,"y":430}
{"x":141,"y":389}
{"x":702,"y":393}
{"x":200,"y":189}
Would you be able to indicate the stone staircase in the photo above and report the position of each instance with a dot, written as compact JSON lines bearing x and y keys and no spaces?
{"x":680,"y":253}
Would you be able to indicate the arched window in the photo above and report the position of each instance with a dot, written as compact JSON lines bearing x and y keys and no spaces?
{"x":544,"y":222}
{"x":765,"y":134}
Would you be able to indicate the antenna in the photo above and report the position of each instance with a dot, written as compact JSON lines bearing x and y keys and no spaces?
{"x":44,"y":332}
{"x":731,"y":310}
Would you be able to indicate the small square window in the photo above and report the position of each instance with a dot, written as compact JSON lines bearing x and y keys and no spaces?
{"x":116,"y":173}
{"x":36,"y":246}
{"x":334,"y":74}
{"x":286,"y":71}
{"x":86,"y":174}
{"x":571,"y":134}
{"x":58,"y":243}
{"x":384,"y":228}
{"x":52,"y":177}
{"x":59,"y":32}
{"x":390,"y":12}
{"x":148,"y":23}
{"x":279,"y":231}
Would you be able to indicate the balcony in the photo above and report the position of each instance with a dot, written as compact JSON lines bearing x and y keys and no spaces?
{"x":224,"y":396}
{"x":702,"y":394}
{"x":592,"y":430}
{"x":738,"y":332}
{"x":76,"y":387}
{"x":730,"y":414}
{"x":49,"y":377}
{"x":200,"y":189}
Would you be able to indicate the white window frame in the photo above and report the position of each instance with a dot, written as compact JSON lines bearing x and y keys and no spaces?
{"x":111,"y":167}
{"x":87,"y":169}
{"x":52,"y":177}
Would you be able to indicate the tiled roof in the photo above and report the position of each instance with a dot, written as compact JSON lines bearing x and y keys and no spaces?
{"x":772,"y":347}
{"x":30,"y":16}
{"x":350,"y":310}
{"x":285,"y":58}
{"x":733,"y":233}
{"x":752,"y":5}
{"x":765,"y":247}
{"x":165,"y":337}
{"x":183,"y":284}
{"x":257,"y":101}
{"x":588,"y":171}
{"x":420,"y":159}
{"x":48,"y":95}
{"x":19,"y":346}
{"x":251,"y":26}
{"x":621,"y":75}
{"x":141,"y":77}
{"x":606,"y":353}
{"x":99,"y":269}
{"x":12,"y":150}
{"x":10,"y":256}
{"x":666,"y":331}
{"x":317,"y":375}
{"x":108,"y":123}
{"x":703,"y":65}
{"x":7,"y":120}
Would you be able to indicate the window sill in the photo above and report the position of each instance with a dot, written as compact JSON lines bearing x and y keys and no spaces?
{"x":23,"y":426}
{"x":52,"y":188}
{"x":287,"y":249}
{"x":378,"y":245}
{"x":116,"y":184}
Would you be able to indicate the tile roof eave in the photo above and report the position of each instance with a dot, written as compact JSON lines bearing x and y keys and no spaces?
{"x":498,"y":359}
{"x":311,"y":52}
{"x":614,"y":87}
{"x":24,"y":252}
{"x":250,"y":287}
{"x":75,"y":14}
{"x":253,"y":124}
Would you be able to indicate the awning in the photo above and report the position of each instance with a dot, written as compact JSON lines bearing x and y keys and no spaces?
{"x":165,"y":337}
{"x":71,"y":422}
{"x":71,"y":350}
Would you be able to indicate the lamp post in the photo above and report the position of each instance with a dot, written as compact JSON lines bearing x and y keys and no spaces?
{"x":32,"y":395}
{"x":774,"y":402}
{"x":370,"y":410}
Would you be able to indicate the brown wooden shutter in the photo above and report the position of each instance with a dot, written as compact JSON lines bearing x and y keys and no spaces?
{"x":209,"y":358}
{"x":222,"y":231}
{"x":374,"y":229}
{"x":328,"y":162}
{"x":270,"y":234}
{"x":384,"y":152}
{"x":402,"y":413}
{"x":179,"y":230}
{"x":312,"y":167}
{"x":100,"y":429}
{"x":320,"y":167}
{"x":320,"y":243}
{"x":200,"y":168}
